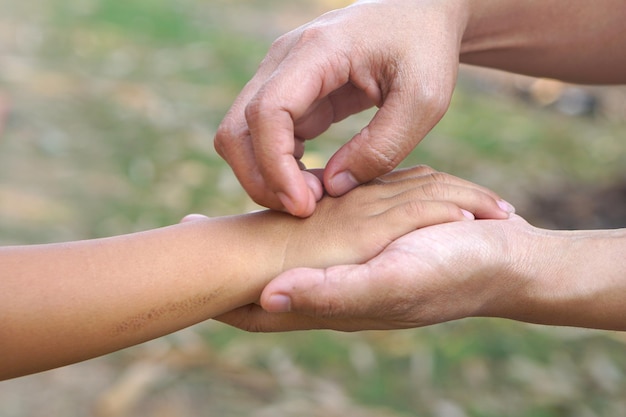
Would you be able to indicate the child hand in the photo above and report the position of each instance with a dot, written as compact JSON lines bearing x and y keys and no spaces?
{"x":359,"y":225}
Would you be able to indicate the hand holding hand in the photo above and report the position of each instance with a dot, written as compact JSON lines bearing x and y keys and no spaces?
{"x":432,"y":275}
{"x":492,"y":268}
{"x":355,"y":227}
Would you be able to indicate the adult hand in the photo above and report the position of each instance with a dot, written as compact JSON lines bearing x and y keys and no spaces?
{"x":494,"y":268}
{"x":399,"y":56}
{"x":432,"y":275}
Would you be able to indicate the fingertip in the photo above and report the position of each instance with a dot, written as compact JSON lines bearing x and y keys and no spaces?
{"x":315,"y":185}
{"x":287,"y":202}
{"x":303,"y":208}
{"x":302,"y":203}
{"x":341,"y":183}
{"x":193,"y":217}
{"x":286,"y":291}
{"x":275,"y":297}
{"x":506,"y":206}
{"x":277,"y":303}
{"x":501,"y":210}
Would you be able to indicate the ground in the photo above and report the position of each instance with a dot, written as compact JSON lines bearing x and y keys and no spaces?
{"x":109,"y":109}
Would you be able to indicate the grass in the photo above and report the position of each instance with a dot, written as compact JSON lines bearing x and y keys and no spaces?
{"x":114,"y":106}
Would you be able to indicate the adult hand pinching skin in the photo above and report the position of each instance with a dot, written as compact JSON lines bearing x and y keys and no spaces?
{"x":386,"y":54}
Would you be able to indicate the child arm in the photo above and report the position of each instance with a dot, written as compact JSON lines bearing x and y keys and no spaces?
{"x":66,"y":302}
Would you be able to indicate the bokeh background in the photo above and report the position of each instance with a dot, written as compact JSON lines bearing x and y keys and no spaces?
{"x":108,"y":110}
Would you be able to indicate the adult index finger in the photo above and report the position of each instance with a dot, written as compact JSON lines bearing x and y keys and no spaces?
{"x":297,"y":83}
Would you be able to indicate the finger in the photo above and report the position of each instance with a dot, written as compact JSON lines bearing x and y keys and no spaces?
{"x":474,"y":200}
{"x":339,"y":104}
{"x":481,"y":205}
{"x":404,"y":173}
{"x":233,"y":141}
{"x":234,"y":144}
{"x":273,"y":144}
{"x":314,"y":184}
{"x":349,"y":293}
{"x":322,"y":293}
{"x":433,"y":185}
{"x":193,"y":217}
{"x":317,"y":173}
{"x":252,"y":318}
{"x":292,"y":90}
{"x":236,"y":149}
{"x":397,"y":127}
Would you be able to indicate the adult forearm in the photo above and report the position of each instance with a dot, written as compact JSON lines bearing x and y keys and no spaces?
{"x":576,"y":40}
{"x":571,"y":278}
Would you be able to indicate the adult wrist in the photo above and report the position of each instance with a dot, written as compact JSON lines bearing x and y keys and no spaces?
{"x":484,"y":23}
{"x":570,"y":278}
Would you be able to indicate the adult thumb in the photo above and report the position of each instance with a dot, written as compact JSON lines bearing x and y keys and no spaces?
{"x":398,"y":126}
{"x":335,"y":292}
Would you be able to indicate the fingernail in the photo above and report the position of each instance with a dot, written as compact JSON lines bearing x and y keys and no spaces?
{"x":278,"y":303}
{"x":342,"y":183}
{"x":468,"y":214}
{"x":314,"y":184}
{"x":506,"y":206}
{"x":286,"y":202}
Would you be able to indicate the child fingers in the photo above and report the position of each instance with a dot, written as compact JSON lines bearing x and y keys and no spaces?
{"x":405,"y":173}
{"x":421,"y":176}
{"x":412,"y":215}
{"x":483,"y":205}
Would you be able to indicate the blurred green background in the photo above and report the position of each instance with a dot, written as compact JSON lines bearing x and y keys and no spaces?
{"x":109,"y":109}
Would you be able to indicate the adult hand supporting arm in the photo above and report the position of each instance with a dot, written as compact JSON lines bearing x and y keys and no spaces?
{"x":485,"y":268}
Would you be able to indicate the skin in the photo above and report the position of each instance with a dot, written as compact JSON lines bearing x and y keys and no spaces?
{"x":66,"y":302}
{"x":485,"y":268}
{"x":402,"y":56}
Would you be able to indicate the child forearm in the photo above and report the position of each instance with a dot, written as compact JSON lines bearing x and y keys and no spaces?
{"x":84,"y":299}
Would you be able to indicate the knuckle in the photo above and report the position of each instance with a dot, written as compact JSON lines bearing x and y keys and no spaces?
{"x":326,"y":310}
{"x":258,"y":197}
{"x":280,"y":44}
{"x":253,"y":327}
{"x":219,"y":148}
{"x":433,"y":99}
{"x":223,"y":136}
{"x":443,"y":211}
{"x":278,"y":49}
{"x":231,"y":133}
{"x":422,"y":170}
{"x":247,"y":326}
{"x":415,"y":208}
{"x":440,"y":178}
{"x":435,"y":190}
{"x":245,"y":320}
{"x":312,"y":34}
{"x":255,"y":107}
{"x":262,"y":107}
{"x":328,"y":305}
{"x":381,"y":156}
{"x":380,"y":159}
